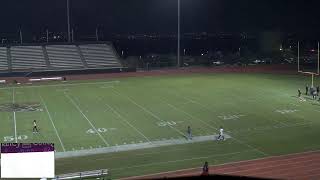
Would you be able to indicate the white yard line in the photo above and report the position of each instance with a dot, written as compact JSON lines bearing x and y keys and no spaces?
{"x":239,"y":141}
{"x":268,"y":128}
{"x":259,"y":101}
{"x":125,"y":120}
{"x":54,"y":127}
{"x":62,"y":85}
{"x":14,"y":117}
{"x":95,"y":129}
{"x":192,"y":117}
{"x":147,"y":111}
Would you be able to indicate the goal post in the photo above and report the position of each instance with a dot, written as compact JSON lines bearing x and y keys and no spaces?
{"x":312,"y":76}
{"x":316,"y":73}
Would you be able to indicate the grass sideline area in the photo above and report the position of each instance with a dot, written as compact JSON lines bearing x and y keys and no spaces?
{"x":261,"y":113}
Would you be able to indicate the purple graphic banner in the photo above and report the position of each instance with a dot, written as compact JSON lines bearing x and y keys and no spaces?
{"x":26,"y":147}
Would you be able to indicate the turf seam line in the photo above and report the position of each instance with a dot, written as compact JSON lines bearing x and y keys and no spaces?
{"x":75,"y":104}
{"x":149,"y":112}
{"x":54,"y":127}
{"x":124,"y":119}
{"x":14,"y":117}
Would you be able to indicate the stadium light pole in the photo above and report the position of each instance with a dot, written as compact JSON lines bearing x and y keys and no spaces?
{"x":298,"y":56}
{"x":97,"y":36}
{"x":68,"y":20}
{"x":47,"y":35}
{"x":20,"y":32}
{"x":72,"y":40}
{"x":178,"y":51}
{"x":318,"y":57}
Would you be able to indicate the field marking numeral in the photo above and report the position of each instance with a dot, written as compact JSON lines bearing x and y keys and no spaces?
{"x":11,"y":138}
{"x":100,"y":130}
{"x":231,"y":117}
{"x":168,"y":123}
{"x":286,"y":111}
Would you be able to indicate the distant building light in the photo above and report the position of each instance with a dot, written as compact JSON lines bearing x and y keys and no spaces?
{"x":312,"y":50}
{"x":281,"y":49}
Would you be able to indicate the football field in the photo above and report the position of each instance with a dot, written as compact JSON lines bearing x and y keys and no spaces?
{"x":137,"y":125}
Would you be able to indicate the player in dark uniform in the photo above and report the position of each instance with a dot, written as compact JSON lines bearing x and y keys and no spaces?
{"x":318,"y":90}
{"x":35,"y":129}
{"x":299,"y":93}
{"x":189,"y":133}
{"x":307,"y":89}
{"x":205,"y":169}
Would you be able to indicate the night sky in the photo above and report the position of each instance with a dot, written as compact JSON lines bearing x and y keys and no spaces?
{"x":147,"y":16}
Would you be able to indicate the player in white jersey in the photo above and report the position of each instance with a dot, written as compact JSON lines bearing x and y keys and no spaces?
{"x":221,"y":134}
{"x":35,"y":129}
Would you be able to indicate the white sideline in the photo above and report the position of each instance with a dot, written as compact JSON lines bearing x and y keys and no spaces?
{"x":95,"y":129}
{"x":146,"y":110}
{"x":223,"y":164}
{"x":54,"y":127}
{"x":124,"y":119}
{"x":14,"y":118}
{"x":57,"y":85}
{"x":143,"y":145}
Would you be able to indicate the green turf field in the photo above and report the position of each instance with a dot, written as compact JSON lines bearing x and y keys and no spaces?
{"x":261,"y":113}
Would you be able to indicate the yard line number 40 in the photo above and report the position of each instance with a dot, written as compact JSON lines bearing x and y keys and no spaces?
{"x":11,"y":138}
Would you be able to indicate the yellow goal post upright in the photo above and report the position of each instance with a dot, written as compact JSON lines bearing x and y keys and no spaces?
{"x":308,"y":72}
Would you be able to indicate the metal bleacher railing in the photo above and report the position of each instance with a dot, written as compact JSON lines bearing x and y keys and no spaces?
{"x":97,"y":55}
{"x":51,"y":57}
{"x":3,"y":58}
{"x":64,"y":56}
{"x":27,"y":57}
{"x":86,"y":174}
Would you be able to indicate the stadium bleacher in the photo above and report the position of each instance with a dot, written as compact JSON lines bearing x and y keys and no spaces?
{"x":64,"y":56}
{"x":27,"y":57}
{"x":3,"y":59}
{"x":99,"y":55}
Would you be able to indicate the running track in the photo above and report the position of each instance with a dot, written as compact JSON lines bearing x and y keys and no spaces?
{"x":300,"y":166}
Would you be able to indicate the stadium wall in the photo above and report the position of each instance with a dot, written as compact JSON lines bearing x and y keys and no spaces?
{"x":131,"y":72}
